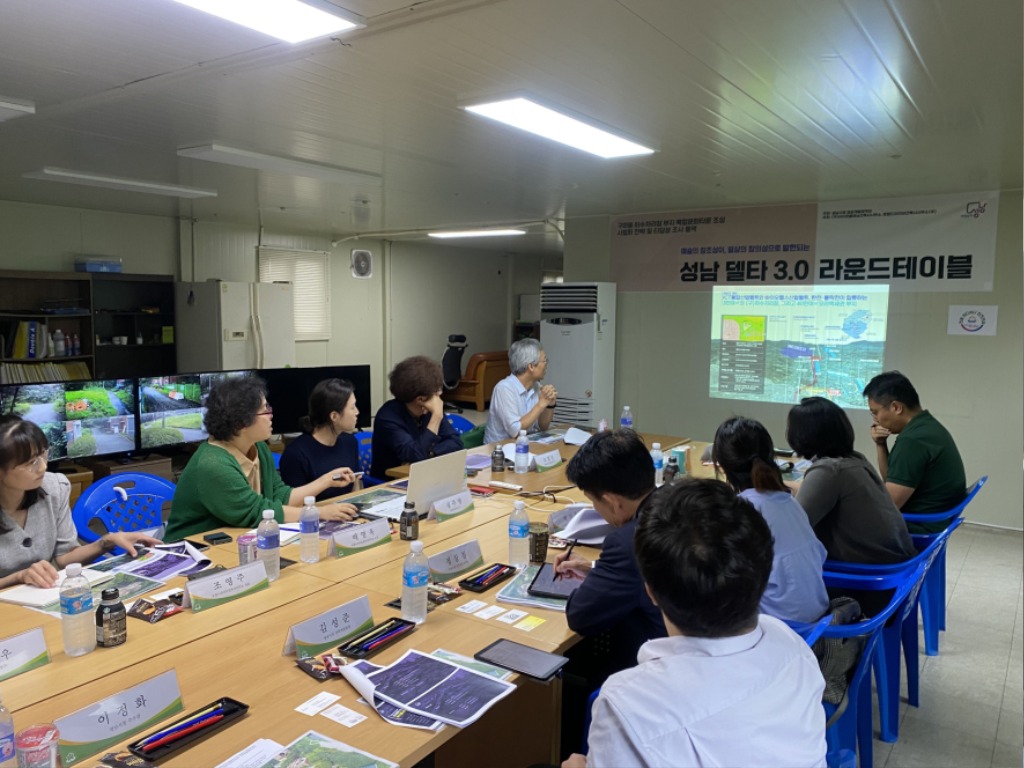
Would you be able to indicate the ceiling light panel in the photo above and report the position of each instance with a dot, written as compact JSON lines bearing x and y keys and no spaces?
{"x":478,"y":233}
{"x":288,"y":20}
{"x":87,"y":179}
{"x":243,"y":158}
{"x":558,"y":125}
{"x":11,"y":108}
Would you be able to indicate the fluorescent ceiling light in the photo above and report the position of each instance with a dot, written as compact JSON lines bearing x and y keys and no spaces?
{"x":11,"y":108}
{"x":288,"y":20}
{"x":118,"y":182}
{"x":528,"y":115}
{"x":478,"y":233}
{"x":218,"y":153}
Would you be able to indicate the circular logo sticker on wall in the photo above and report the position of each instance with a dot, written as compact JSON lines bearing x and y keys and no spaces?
{"x":972,"y":321}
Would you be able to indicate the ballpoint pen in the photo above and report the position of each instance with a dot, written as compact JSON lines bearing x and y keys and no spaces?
{"x":171,"y":737}
{"x":568,"y":554}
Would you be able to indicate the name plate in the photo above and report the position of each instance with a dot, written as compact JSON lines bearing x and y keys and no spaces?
{"x":452,"y":563}
{"x":99,"y":726}
{"x":225,"y":586}
{"x":20,"y":653}
{"x":549,"y":460}
{"x":357,"y":538}
{"x":451,"y":506}
{"x":328,"y":629}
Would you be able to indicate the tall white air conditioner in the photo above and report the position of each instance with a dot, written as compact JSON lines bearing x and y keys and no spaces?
{"x":577,"y":331}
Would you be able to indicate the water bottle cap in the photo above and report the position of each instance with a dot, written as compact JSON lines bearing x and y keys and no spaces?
{"x":519,"y":504}
{"x":416,"y":546}
{"x":655,"y":446}
{"x":268,"y":514}
{"x":522,"y":433}
{"x":309,"y":501}
{"x":75,"y":569}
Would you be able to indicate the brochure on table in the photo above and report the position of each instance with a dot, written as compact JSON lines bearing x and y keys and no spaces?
{"x":516,"y":592}
{"x":313,"y":748}
{"x":430,"y":687}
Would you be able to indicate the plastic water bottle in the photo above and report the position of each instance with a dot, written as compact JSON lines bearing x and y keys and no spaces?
{"x":268,"y":544}
{"x":59,"y":349}
{"x":415,"y":575}
{"x":522,"y":453}
{"x":518,"y":536}
{"x":76,"y":613}
{"x":626,"y":419}
{"x":6,"y":738}
{"x":659,"y":464}
{"x":309,"y":531}
{"x":76,"y":345}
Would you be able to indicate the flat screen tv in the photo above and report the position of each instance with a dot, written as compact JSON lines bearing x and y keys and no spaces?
{"x":171,"y":410}
{"x":99,"y":417}
{"x":42,"y":404}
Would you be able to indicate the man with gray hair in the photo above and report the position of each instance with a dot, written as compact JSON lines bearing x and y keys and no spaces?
{"x":519,"y":401}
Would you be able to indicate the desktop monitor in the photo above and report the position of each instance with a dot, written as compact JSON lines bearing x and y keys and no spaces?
{"x":288,"y":391}
{"x":99,"y":417}
{"x":42,"y":404}
{"x":170,"y":410}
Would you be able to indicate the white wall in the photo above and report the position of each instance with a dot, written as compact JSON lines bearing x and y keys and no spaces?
{"x":46,"y":237}
{"x":973,"y":385}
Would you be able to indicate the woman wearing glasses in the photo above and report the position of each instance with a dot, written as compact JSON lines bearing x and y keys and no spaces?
{"x":231,"y":478}
{"x":37,"y":534}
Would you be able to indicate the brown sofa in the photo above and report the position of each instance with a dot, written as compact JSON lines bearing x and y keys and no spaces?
{"x":484,"y":370}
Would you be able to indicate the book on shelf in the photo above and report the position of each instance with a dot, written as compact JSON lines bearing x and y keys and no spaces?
{"x":32,"y":373}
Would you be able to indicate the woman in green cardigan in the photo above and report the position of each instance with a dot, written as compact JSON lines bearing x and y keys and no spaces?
{"x":231,"y":478}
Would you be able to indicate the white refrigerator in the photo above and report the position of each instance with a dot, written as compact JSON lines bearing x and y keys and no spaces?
{"x":234,"y":326}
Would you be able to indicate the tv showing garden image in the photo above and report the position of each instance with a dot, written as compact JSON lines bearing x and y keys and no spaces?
{"x":99,"y":417}
{"x":42,"y":404}
{"x":171,"y":410}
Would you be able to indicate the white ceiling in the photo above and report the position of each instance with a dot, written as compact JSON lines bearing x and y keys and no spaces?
{"x":748,"y":102}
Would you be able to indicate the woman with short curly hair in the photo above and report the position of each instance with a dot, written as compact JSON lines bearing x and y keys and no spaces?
{"x":412,"y":426}
{"x":231,"y":478}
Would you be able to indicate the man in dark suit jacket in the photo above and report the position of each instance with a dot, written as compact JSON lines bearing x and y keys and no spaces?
{"x":616,"y":474}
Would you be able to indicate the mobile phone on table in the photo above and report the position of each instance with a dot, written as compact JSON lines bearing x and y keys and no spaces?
{"x":217,"y":537}
{"x":197,"y":544}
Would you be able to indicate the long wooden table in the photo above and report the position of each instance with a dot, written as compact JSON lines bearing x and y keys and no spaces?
{"x":235,"y":650}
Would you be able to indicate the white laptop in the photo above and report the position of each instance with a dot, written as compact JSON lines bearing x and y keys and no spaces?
{"x":429,"y":480}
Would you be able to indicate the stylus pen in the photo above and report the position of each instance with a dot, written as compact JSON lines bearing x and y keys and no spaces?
{"x":568,"y":554}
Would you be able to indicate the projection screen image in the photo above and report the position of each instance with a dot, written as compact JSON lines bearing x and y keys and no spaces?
{"x":777,"y":345}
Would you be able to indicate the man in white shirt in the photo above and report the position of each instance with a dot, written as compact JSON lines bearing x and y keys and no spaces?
{"x":727,"y":686}
{"x":519,"y":401}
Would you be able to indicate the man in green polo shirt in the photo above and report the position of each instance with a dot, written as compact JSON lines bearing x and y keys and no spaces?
{"x":923,"y":472}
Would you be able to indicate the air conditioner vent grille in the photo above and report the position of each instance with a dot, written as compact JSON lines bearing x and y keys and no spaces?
{"x":560,"y":297}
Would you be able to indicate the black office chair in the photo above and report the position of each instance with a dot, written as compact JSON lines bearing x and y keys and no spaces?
{"x":451,"y":366}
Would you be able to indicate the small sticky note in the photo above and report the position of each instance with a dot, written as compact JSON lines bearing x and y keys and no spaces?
{"x":512,"y":617}
{"x":343,"y":715}
{"x":471,"y":607}
{"x":317,"y":703}
{"x":490,"y":612}
{"x":530,"y":623}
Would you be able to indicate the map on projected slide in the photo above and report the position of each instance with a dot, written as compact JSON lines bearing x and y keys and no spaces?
{"x":779,"y":345}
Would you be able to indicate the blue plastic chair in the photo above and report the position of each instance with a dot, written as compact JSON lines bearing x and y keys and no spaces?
{"x":365,"y":440}
{"x":901,"y":632}
{"x":277,"y":460}
{"x":933,"y":597}
{"x":810,"y":631}
{"x":460,"y":423}
{"x":129,"y":501}
{"x":848,"y":728}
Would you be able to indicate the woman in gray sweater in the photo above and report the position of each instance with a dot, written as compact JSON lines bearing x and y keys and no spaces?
{"x":845,"y":499}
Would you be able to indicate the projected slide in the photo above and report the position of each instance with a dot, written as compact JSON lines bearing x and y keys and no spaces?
{"x":778,"y":345}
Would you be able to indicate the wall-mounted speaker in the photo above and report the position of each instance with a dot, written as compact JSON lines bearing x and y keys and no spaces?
{"x":362,"y":264}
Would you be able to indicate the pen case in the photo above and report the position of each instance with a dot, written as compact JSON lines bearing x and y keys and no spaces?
{"x":232,"y":711}
{"x":475,"y":583}
{"x":357,"y":647}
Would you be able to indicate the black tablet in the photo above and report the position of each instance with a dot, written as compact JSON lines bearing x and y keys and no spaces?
{"x":545,"y":584}
{"x":509,"y":654}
